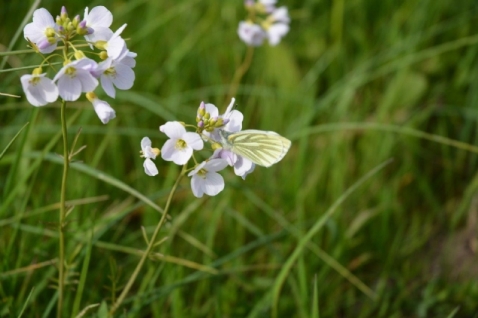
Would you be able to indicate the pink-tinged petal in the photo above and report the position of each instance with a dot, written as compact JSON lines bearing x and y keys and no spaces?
{"x":182,"y":156}
{"x":251,"y":34}
{"x":43,"y":19}
{"x":150,"y":168}
{"x":124,"y":78}
{"x":99,"y":34}
{"x":32,"y":32}
{"x":69,"y":88}
{"x":174,"y":129}
{"x":276,"y":32}
{"x":50,"y":90}
{"x":281,"y":15}
{"x":213,"y":184}
{"x":242,"y":166}
{"x":197,"y":186}
{"x":168,"y":149}
{"x":45,"y":47}
{"x":227,"y":155}
{"x":41,"y":92}
{"x":212,"y":110}
{"x":235,"y":121}
{"x":104,"y":111}
{"x":88,"y":81}
{"x":99,"y":16}
{"x":107,"y":85}
{"x":129,"y":59}
{"x":193,"y":140}
{"x":215,"y":165}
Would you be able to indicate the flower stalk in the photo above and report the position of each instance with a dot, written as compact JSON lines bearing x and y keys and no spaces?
{"x":62,"y":217}
{"x":150,"y":246}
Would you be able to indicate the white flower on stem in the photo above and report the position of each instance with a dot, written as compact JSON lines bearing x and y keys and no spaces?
{"x":75,"y":78}
{"x":179,"y":148}
{"x":149,"y":153}
{"x":104,"y":111}
{"x":251,"y":33}
{"x":277,"y":25}
{"x":206,"y":180}
{"x":39,"y":89}
{"x":98,"y":22}
{"x":42,"y":31}
{"x":117,"y":73}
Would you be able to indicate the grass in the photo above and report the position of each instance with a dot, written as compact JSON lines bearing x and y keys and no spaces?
{"x":353,"y":84}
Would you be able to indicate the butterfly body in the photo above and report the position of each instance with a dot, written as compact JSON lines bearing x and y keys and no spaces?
{"x":264,"y":148}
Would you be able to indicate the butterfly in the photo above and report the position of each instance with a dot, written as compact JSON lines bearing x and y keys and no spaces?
{"x":264,"y":148}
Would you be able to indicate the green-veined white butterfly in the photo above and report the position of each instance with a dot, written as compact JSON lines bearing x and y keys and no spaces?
{"x":264,"y":148}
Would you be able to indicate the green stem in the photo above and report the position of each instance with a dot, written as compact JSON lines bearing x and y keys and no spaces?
{"x":61,"y":226}
{"x":151,"y":243}
{"x":240,"y":71}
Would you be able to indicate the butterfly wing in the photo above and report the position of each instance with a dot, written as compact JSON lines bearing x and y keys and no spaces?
{"x":264,"y":148}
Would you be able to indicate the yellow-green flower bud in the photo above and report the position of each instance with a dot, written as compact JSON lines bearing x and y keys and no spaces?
{"x":37,"y":71}
{"x":79,"y":55}
{"x":103,"y":55}
{"x":101,"y":45}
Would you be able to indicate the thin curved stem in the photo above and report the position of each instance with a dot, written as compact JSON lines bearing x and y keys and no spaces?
{"x":61,"y":225}
{"x":151,"y":244}
{"x":240,"y":71}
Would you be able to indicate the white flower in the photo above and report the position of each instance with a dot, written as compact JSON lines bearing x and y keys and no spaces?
{"x":39,"y":89}
{"x":75,"y":78}
{"x":117,"y":73}
{"x":206,"y":180}
{"x":232,"y":119}
{"x":277,"y":25}
{"x":98,"y":21}
{"x":149,"y":153}
{"x":102,"y":108}
{"x":42,"y":31}
{"x":179,"y":148}
{"x":252,"y":34}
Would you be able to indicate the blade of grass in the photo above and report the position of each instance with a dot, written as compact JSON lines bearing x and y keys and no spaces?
{"x":315,"y":228}
{"x":11,"y":141}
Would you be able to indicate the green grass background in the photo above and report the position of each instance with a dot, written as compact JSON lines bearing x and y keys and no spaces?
{"x":353,"y":84}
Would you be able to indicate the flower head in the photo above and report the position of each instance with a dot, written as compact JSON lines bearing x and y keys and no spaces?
{"x":42,"y":31}
{"x":208,"y":117}
{"x":38,"y":88}
{"x":103,"y":109}
{"x":206,"y":180}
{"x":149,"y":153}
{"x":265,"y":22}
{"x":75,"y":78}
{"x":179,"y":148}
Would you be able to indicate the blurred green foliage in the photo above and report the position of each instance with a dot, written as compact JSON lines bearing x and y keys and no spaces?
{"x":409,"y":233}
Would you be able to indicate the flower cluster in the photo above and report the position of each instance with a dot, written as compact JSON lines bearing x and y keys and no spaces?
{"x":79,"y":74}
{"x":181,"y":144}
{"x":265,"y":21}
